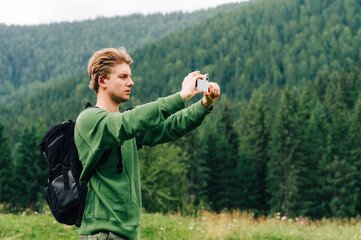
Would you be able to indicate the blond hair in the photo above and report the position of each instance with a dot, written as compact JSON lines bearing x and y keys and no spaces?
{"x":102,"y":62}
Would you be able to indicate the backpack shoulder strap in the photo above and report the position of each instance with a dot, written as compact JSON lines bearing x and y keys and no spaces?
{"x":84,"y":187}
{"x":88,"y":105}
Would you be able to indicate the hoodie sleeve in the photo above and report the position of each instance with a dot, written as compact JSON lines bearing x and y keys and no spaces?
{"x":175,"y":126}
{"x":97,"y":130}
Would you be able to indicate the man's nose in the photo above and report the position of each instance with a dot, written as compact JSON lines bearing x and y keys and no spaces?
{"x":130,"y":83}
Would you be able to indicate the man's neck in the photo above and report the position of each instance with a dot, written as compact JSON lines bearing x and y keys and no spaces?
{"x":107,"y":104}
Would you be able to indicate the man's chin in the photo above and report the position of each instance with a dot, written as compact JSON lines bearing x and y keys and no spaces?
{"x":121,"y":99}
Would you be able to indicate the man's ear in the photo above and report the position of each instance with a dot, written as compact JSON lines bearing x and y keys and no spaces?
{"x":101,"y":82}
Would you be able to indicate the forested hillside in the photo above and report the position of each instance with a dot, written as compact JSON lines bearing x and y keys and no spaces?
{"x":34,"y":56}
{"x":285,"y":135}
{"x":268,"y":43}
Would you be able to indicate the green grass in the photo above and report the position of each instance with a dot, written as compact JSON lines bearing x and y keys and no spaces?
{"x":205,"y":226}
{"x":35,"y":226}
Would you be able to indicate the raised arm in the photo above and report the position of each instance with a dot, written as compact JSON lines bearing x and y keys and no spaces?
{"x":181,"y":122}
{"x":175,"y":126}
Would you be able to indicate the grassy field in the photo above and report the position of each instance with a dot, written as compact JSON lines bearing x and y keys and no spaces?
{"x":205,"y":226}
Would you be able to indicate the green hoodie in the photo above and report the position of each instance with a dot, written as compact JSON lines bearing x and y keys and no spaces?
{"x":114,"y":199}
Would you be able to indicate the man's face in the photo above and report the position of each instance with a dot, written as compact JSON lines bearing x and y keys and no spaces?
{"x":119,"y":83}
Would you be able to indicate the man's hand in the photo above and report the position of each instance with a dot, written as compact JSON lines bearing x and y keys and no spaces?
{"x":188,"y":86}
{"x":211,"y":96}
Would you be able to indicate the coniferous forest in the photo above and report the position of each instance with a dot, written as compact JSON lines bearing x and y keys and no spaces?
{"x":285,"y":135}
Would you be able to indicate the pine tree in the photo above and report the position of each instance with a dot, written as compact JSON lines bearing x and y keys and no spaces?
{"x":215,"y":188}
{"x":222,"y":156}
{"x":29,"y":176}
{"x":305,"y":161}
{"x":247,"y":195}
{"x":5,"y":165}
{"x":282,"y":174}
{"x":258,"y":137}
{"x":341,"y":176}
{"x":317,"y":132}
{"x":192,"y":145}
{"x":355,"y":149}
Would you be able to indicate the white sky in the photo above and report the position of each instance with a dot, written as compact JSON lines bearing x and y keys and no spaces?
{"x":29,"y":12}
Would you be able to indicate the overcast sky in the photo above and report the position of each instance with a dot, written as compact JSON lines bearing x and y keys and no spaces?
{"x":29,"y":12}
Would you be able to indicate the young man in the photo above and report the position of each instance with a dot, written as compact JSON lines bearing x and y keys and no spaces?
{"x":113,"y":203}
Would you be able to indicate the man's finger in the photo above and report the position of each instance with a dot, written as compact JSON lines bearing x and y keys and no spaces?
{"x":217,"y":90}
{"x":213,"y":90}
{"x":194,"y":73}
{"x":208,"y":92}
{"x":211,"y":87}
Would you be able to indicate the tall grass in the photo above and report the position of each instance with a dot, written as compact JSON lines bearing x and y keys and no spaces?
{"x":206,"y":225}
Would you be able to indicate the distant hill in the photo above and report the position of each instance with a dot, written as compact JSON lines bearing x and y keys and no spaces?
{"x":36,"y":56}
{"x":260,"y":45}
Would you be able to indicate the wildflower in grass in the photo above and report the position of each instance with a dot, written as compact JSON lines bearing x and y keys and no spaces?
{"x":191,"y":226}
{"x":283,"y":218}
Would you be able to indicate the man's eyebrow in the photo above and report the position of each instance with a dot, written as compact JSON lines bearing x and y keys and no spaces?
{"x":122,"y":74}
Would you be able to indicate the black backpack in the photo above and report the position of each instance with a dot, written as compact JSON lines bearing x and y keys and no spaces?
{"x":64,"y":194}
